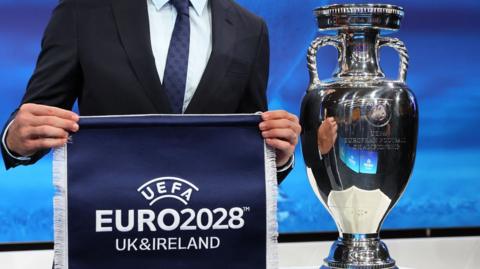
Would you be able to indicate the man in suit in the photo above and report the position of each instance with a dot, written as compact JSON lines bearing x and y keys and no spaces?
{"x":119,"y":57}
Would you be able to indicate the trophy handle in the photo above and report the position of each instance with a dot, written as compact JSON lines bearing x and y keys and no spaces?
{"x":399,"y":46}
{"x":318,"y":43}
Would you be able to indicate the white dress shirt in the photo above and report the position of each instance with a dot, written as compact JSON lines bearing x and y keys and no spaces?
{"x":162,"y":16}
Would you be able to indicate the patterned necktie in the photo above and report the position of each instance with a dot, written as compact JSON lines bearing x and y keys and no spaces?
{"x":175,"y":76}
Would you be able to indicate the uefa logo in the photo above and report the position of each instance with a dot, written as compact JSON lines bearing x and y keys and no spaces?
{"x":378,"y":113}
{"x":167,"y":188}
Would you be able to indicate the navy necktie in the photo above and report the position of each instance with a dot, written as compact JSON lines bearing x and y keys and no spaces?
{"x":175,"y":76}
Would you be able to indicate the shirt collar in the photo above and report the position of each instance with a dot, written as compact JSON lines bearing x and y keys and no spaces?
{"x":198,"y":5}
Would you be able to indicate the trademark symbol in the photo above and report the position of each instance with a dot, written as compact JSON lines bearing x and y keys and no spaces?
{"x":246,"y":209}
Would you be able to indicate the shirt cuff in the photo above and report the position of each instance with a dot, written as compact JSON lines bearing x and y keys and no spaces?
{"x":287,"y":166}
{"x":4,"y":143}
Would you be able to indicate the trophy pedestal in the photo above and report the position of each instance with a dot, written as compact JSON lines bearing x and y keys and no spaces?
{"x":359,"y":252}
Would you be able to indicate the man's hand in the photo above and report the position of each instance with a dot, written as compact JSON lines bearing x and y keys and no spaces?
{"x":38,"y":127}
{"x":281,"y":130}
{"x":327,"y":135}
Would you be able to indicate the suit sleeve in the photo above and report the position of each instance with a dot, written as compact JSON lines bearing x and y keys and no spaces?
{"x":255,"y":98}
{"x":57,"y":78}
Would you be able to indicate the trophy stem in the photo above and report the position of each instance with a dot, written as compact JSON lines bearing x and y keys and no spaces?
{"x":360,"y":55}
{"x":359,"y":251}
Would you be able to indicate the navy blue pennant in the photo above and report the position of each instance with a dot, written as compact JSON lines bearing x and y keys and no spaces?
{"x":165,"y":192}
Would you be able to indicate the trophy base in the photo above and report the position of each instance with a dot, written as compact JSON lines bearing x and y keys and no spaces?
{"x":359,"y":252}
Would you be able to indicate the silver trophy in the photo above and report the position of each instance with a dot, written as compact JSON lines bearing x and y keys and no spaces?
{"x":359,"y":130}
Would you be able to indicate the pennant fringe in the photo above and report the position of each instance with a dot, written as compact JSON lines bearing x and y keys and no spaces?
{"x":272,"y":195}
{"x":60,"y":208}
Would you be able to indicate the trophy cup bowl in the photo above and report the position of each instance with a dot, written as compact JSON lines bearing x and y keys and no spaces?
{"x":360,"y":130}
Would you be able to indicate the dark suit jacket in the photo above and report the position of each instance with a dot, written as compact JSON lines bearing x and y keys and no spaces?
{"x":99,"y":53}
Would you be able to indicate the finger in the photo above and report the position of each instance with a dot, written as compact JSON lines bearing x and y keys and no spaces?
{"x":281,"y":123}
{"x":279,"y":114}
{"x":330,"y":125}
{"x":68,"y":125}
{"x":331,"y":120}
{"x":279,"y":144}
{"x":284,"y":134}
{"x":335,"y":128}
{"x":46,"y":143}
{"x":45,"y":131}
{"x":271,"y":124}
{"x":42,"y":110}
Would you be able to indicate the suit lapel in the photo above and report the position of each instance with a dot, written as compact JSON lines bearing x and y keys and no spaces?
{"x":224,"y":33}
{"x":132,"y":22}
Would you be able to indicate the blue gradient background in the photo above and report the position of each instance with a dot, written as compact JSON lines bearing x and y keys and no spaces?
{"x":443,"y":40}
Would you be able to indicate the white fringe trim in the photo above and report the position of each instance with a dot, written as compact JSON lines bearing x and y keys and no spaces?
{"x":60,"y":211}
{"x":272,"y":194}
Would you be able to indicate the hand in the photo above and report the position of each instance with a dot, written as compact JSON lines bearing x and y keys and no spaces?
{"x":38,"y":127}
{"x":327,"y":135}
{"x":281,"y":130}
